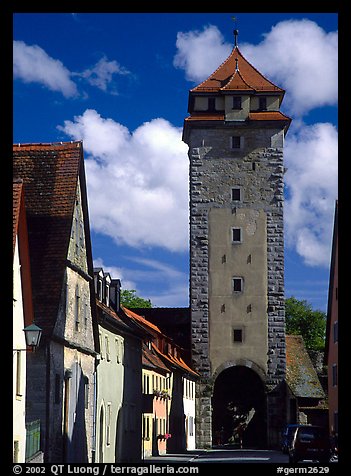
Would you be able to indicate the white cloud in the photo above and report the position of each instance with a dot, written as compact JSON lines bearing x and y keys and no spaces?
{"x":311,"y":155}
{"x":32,"y":64}
{"x":200,"y":52}
{"x":297,"y":55}
{"x":301,"y":57}
{"x":137,"y":182}
{"x":101,"y":75}
{"x":116,"y":273}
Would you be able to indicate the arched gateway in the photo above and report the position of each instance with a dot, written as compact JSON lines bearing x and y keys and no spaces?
{"x":235,"y":133}
{"x":239,"y":407}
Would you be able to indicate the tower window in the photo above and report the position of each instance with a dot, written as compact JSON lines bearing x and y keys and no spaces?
{"x":236,"y":194}
{"x":236,"y":235}
{"x":211,"y":104}
{"x":237,"y":102}
{"x":237,"y":335}
{"x":235,"y":142}
{"x":262,"y":104}
{"x":238,"y":284}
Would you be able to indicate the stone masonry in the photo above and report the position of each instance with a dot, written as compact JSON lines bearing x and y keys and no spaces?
{"x":258,"y":170}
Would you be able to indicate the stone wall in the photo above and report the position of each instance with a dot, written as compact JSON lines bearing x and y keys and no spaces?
{"x":214,"y":169}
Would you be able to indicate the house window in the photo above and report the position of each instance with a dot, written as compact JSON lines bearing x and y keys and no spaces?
{"x":236,"y":235}
{"x":335,"y":375}
{"x":77,"y":309}
{"x":81,"y":234}
{"x":117,"y":351}
{"x":18,"y":373}
{"x":99,"y":289}
{"x":86,"y":393}
{"x":101,"y":345}
{"x":235,"y":142}
{"x":108,"y":424}
{"x":107,"y":347}
{"x":85,"y":312}
{"x":107,"y":295}
{"x":238,"y":284}
{"x":237,"y":335}
{"x":262,"y":104}
{"x":237,"y":102}
{"x":16,"y":449}
{"x":335,"y":332}
{"x":76,"y":235}
{"x":236,"y":194}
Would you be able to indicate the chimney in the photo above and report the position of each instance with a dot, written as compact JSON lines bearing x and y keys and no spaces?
{"x":115,"y":294}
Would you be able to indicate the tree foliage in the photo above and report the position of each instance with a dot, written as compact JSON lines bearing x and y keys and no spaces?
{"x":301,"y":319}
{"x":130,"y":299}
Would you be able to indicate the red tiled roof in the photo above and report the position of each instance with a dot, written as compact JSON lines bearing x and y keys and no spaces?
{"x":150,"y":359}
{"x":228,"y":78}
{"x":198,"y":116}
{"x":141,"y":320}
{"x":268,"y":116}
{"x":50,"y":175}
{"x":178,"y":362}
{"x":102,"y":307}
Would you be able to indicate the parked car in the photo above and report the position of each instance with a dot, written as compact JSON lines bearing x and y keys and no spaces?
{"x":310,"y":442}
{"x":287,"y":435}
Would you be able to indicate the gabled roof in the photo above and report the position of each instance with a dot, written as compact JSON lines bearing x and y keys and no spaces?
{"x":20,"y":236}
{"x":50,"y":175}
{"x":115,"y":319}
{"x":236,"y":74}
{"x":142,"y":321}
{"x":152,"y":361}
{"x":16,"y":200}
{"x":178,"y":362}
{"x":301,"y":376}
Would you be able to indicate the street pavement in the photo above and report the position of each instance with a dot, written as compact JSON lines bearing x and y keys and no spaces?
{"x":222,"y":456}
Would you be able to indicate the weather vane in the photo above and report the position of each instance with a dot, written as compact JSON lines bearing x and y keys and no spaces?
{"x":236,"y":32}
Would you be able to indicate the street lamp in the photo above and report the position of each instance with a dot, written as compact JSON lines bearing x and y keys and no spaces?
{"x":32,"y":335}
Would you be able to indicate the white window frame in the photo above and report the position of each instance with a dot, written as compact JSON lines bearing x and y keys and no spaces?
{"x":241,"y":279}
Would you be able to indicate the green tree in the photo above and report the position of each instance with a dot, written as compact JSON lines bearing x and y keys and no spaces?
{"x":301,"y":319}
{"x":130,"y":299}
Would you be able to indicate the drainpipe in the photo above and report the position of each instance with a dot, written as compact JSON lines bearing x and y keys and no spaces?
{"x":93,"y":450}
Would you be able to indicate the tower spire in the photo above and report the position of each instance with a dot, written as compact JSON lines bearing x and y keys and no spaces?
{"x":236,"y":33}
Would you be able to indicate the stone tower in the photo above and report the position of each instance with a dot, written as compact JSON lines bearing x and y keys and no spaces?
{"x":235,"y":133}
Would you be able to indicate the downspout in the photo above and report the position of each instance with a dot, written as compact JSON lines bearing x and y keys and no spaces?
{"x":93,"y":450}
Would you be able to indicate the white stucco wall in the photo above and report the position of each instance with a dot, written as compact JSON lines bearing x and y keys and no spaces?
{"x":19,"y":358}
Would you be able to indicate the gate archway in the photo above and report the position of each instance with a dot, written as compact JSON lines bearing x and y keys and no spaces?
{"x":239,"y":396}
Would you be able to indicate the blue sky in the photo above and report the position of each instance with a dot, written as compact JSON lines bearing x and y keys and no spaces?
{"x":120,"y":82}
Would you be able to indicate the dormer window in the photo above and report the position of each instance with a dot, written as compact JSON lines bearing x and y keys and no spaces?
{"x":107,"y":282}
{"x":237,"y":102}
{"x":99,"y":289}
